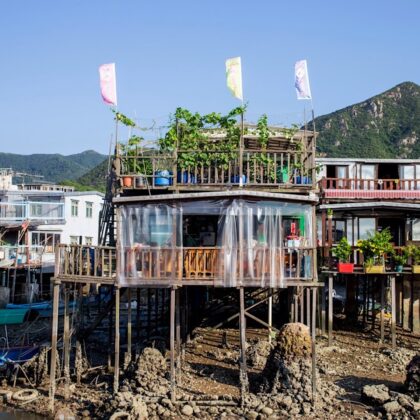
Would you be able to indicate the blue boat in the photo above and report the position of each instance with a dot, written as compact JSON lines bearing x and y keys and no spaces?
{"x":37,"y":309}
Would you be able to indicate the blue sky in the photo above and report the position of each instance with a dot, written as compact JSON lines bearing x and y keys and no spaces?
{"x":171,"y":54}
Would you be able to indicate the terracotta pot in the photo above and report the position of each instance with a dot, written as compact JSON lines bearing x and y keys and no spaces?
{"x":345,"y":267}
{"x":128,"y":181}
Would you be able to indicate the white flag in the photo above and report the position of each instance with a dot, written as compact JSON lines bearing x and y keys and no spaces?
{"x":303,"y":90}
{"x":234,"y":76}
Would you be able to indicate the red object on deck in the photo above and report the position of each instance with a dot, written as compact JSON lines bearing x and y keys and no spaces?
{"x":345,"y":268}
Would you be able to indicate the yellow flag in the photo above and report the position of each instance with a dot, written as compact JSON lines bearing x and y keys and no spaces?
{"x":234,"y":76}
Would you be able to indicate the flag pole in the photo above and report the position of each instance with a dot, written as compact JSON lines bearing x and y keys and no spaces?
{"x":241,"y":145}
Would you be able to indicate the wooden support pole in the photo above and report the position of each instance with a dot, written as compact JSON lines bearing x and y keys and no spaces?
{"x":178,"y":335}
{"x":330,"y":309}
{"x":172,"y":343}
{"x":242,"y":336}
{"x":323,"y":311}
{"x":270,"y":314}
{"x":56,"y":298}
{"x":66,"y":342}
{"x":313,"y":327}
{"x":129,"y":328}
{"x":393,"y":313}
{"x":382,"y":310}
{"x":138,"y":314}
{"x":117,"y":340}
{"x":302,"y":303}
{"x":308,"y":307}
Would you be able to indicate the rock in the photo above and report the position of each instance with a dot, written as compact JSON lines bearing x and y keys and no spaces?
{"x":187,"y":410}
{"x":391,"y":407}
{"x":257,"y":353}
{"x":251,"y":415}
{"x":294,"y":340}
{"x":375,"y":394}
{"x":85,"y":413}
{"x":412,"y":381}
{"x":267,"y":411}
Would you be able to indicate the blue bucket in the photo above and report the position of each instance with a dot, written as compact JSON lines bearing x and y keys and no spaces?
{"x":185,"y":178}
{"x":163,"y":178}
{"x":235,"y":179}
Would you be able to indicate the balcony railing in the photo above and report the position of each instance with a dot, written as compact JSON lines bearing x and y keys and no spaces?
{"x":186,"y":265}
{"x":369,"y":188}
{"x":11,"y":256}
{"x":31,"y":210}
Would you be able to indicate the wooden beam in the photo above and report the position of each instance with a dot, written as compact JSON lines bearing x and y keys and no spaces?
{"x":242,"y":335}
{"x":172,"y":344}
{"x":330,"y":309}
{"x":382,"y":310}
{"x":270,"y":314}
{"x":393,"y":313}
{"x":66,"y":342}
{"x":129,"y":327}
{"x":313,"y":327}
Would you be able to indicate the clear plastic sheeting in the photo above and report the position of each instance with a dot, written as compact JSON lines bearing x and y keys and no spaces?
{"x":230,"y":243}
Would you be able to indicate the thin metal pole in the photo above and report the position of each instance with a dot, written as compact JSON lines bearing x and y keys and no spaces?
{"x":117,"y":340}
{"x":330,"y":309}
{"x":66,"y":340}
{"x":172,"y":344}
{"x":56,"y":298}
{"x":393,"y":313}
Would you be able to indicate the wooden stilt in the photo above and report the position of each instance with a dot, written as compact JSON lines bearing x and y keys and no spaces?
{"x":302,"y":303}
{"x":295,"y":298}
{"x":128,"y":358}
{"x":117,"y":340}
{"x":172,"y":344}
{"x":323,"y":311}
{"x":382,"y":310}
{"x":330,"y":309}
{"x":270,"y":314}
{"x":313,"y":326}
{"x":56,"y":298}
{"x":308,"y":307}
{"x":66,"y":342}
{"x":242,"y":335}
{"x":138,"y":314}
{"x":393,"y":313}
{"x":110,"y":332}
{"x":178,"y":335}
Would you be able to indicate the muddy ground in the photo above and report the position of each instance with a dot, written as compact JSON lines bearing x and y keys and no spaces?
{"x":208,"y":384}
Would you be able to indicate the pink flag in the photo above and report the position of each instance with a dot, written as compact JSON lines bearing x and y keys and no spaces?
{"x":108,"y":83}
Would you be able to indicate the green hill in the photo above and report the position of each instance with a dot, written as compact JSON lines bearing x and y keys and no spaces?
{"x":53,"y":167}
{"x":385,"y":126}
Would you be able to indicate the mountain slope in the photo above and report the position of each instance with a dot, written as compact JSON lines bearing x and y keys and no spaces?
{"x":95,"y":178}
{"x":53,"y":167}
{"x":385,"y":126}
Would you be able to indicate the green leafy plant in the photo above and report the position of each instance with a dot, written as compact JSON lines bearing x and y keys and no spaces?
{"x":414,"y":252}
{"x":375,"y":247}
{"x":400,"y":259}
{"x":123,"y":119}
{"x":343,"y":250}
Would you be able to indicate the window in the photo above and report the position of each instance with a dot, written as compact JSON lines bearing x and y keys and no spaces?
{"x":74,"y":208}
{"x":89,"y":209}
{"x":88,"y":240}
{"x":48,"y":241}
{"x":74,"y":240}
{"x":366,"y":226}
{"x":36,"y":210}
{"x":416,"y":230}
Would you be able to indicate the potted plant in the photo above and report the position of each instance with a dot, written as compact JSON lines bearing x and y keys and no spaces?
{"x":400,"y":260}
{"x":343,"y":252}
{"x":414,"y":252}
{"x":374,"y":249}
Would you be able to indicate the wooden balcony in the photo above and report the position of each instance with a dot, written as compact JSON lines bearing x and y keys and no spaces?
{"x":281,"y":164}
{"x":162,"y":267}
{"x":357,"y":188}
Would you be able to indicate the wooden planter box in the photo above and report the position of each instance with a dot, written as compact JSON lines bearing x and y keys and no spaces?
{"x":345,"y":268}
{"x":375,"y":269}
{"x":415,"y":269}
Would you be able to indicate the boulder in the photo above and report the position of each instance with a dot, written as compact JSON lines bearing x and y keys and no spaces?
{"x":375,"y":394}
{"x":412,"y":382}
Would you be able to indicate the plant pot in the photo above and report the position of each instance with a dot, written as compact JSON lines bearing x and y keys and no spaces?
{"x":345,"y":267}
{"x":163,"y":178}
{"x":303,"y":180}
{"x":375,"y":269}
{"x":127,"y":181}
{"x":415,"y":269}
{"x":399,"y":268}
{"x":140,"y":181}
{"x":236,"y":179}
{"x":184,"y":177}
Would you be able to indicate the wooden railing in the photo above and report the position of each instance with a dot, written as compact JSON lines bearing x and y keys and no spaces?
{"x":86,"y":261}
{"x":243,"y":167}
{"x":369,"y":184}
{"x":185,"y":264}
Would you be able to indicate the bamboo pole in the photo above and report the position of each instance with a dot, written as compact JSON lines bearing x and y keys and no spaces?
{"x":117,"y":340}
{"x":56,"y":298}
{"x":66,"y":340}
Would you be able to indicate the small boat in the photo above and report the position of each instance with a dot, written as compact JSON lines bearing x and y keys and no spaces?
{"x":13,"y":316}
{"x":17,"y":354}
